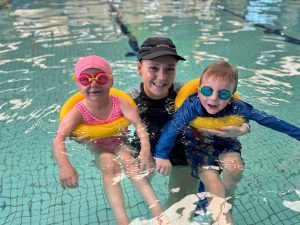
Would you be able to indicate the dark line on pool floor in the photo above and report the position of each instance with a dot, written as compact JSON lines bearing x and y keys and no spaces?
{"x":5,"y":4}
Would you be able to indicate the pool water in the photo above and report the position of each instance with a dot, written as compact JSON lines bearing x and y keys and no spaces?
{"x":40,"y":42}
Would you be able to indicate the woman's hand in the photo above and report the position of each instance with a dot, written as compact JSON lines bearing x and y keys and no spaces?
{"x":230,"y":131}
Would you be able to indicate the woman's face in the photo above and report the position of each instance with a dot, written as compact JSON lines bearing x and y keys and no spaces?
{"x":158,"y":75}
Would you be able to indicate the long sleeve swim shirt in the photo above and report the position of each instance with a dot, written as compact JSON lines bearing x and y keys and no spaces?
{"x":192,"y":108}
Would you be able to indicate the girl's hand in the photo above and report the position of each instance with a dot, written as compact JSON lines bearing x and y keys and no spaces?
{"x":163,"y":166}
{"x":68,"y":177}
{"x":146,"y":161}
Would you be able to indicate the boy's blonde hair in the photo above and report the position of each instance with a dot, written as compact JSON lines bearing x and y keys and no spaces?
{"x":223,"y":71}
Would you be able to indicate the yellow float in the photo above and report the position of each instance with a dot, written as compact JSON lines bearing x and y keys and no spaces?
{"x":97,"y":131}
{"x":190,"y":88}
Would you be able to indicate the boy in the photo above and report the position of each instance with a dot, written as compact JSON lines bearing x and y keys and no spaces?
{"x":208,"y":155}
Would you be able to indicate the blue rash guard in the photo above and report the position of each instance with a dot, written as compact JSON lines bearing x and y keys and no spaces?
{"x":192,"y":108}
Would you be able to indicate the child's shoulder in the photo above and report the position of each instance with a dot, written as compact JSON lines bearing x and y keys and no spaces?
{"x":241,"y":107}
{"x":192,"y":101}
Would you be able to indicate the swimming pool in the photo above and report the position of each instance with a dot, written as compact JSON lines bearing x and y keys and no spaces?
{"x":40,"y":43}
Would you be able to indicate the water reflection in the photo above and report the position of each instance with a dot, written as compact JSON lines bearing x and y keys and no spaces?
{"x":7,"y":47}
{"x":290,"y":65}
{"x":66,"y":26}
{"x":259,"y":11}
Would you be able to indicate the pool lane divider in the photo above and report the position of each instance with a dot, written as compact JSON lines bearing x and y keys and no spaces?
{"x":132,"y":40}
{"x":5,"y":4}
{"x":267,"y":30}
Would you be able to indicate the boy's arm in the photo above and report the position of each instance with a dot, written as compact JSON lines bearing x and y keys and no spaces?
{"x":164,"y":147}
{"x":166,"y":144}
{"x":276,"y":124}
{"x":182,"y":117}
{"x":68,"y":175}
{"x":269,"y":121}
{"x":167,"y":139}
{"x":132,"y":115}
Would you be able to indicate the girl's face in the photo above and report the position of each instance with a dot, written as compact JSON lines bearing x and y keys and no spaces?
{"x":213,"y":104}
{"x":94,"y":89}
{"x":158,"y":75}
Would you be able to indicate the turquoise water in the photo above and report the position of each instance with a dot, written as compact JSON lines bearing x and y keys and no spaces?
{"x":40,"y":42}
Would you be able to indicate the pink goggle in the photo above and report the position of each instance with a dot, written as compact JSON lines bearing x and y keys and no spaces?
{"x":86,"y":79}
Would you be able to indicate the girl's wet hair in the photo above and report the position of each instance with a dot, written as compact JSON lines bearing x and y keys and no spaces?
{"x":223,"y":71}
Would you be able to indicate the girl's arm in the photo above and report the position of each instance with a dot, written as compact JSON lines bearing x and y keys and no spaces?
{"x":68,"y":175}
{"x":132,"y":115}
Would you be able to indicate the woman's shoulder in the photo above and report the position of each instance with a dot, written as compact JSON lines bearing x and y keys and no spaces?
{"x":177,"y":85}
{"x":134,"y":92}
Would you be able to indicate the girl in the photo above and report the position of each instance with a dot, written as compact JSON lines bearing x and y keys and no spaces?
{"x":94,"y":79}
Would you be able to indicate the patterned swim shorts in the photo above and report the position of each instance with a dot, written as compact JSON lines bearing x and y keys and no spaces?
{"x":203,"y":151}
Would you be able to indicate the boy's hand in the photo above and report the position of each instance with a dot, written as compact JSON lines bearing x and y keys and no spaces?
{"x":163,"y":166}
{"x":68,"y":177}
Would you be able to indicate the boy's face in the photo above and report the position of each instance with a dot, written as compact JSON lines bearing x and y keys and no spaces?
{"x":94,"y":90}
{"x":213,"y":104}
{"x":158,"y":75}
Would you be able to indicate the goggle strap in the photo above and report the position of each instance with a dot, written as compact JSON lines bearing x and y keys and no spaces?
{"x":74,"y":77}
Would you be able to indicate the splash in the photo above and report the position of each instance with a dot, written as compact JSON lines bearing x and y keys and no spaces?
{"x":219,"y":207}
{"x":175,"y":190}
{"x":130,"y":168}
{"x":295,"y":206}
{"x":178,"y":214}
{"x":181,"y":212}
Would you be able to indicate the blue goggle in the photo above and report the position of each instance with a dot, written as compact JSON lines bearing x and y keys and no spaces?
{"x":222,"y":94}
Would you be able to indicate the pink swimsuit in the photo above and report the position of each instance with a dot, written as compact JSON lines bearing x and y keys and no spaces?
{"x":108,"y":142}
